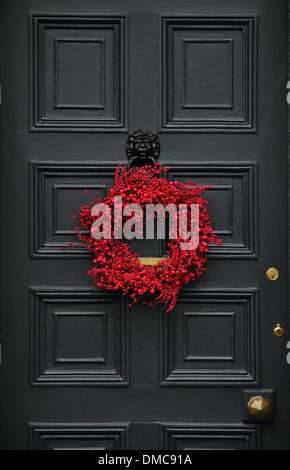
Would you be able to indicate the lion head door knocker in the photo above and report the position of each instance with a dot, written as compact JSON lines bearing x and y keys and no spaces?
{"x":143,"y":148}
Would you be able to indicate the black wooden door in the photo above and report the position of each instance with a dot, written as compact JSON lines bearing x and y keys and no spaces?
{"x":79,"y":368}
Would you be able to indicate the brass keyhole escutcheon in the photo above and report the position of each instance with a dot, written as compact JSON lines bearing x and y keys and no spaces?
{"x":272,"y":274}
{"x":259,"y":408}
{"x":278,"y":330}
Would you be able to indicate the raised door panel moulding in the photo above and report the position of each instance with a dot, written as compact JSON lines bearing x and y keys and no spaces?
{"x":56,"y":190}
{"x":59,"y":317}
{"x":177,"y":437}
{"x":232,"y":204}
{"x":211,"y":338}
{"x":78,"y":436}
{"x":193,"y":98}
{"x":78,"y":73}
{"x":116,"y":436}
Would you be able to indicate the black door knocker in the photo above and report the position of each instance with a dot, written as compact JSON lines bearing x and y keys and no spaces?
{"x":143,"y":148}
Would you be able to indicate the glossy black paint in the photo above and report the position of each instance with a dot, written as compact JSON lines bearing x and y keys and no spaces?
{"x":79,"y":369}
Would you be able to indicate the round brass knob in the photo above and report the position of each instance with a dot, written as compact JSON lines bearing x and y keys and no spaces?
{"x":259,"y":408}
{"x":278,"y":330}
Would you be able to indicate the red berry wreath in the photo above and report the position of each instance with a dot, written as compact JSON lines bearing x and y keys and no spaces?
{"x":117,"y":267}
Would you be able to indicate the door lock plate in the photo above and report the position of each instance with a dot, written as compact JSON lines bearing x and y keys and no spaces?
{"x":272,"y":274}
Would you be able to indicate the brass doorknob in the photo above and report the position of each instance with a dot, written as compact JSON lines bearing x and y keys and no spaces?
{"x":259,"y":408}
